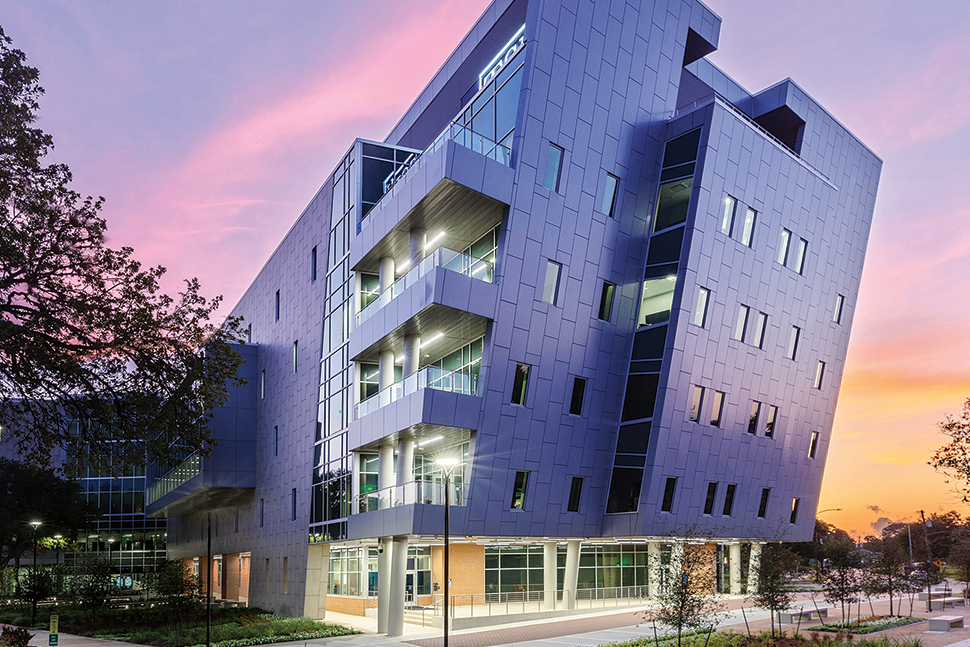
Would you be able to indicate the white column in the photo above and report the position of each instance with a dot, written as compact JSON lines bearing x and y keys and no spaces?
{"x":412,"y":354}
{"x":549,"y":564}
{"x":416,"y":246}
{"x":405,"y":469}
{"x":386,"y":273}
{"x":385,"y":371}
{"x":399,"y":562}
{"x":654,"y":574}
{"x":570,"y":583}
{"x":734,"y":564}
{"x":385,"y":475}
{"x":754,"y":564}
{"x":384,"y":584}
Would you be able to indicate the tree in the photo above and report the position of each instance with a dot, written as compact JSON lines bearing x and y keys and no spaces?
{"x":687,"y":600}
{"x":953,"y":458}
{"x":777,"y":570}
{"x":883,"y":574}
{"x":840,"y":580}
{"x":959,"y":557}
{"x":28,"y":494}
{"x":90,"y":578}
{"x":85,"y":332}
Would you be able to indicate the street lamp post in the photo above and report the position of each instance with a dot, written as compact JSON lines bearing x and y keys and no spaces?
{"x":448,"y":464}
{"x":34,"y":588}
{"x":57,"y":564}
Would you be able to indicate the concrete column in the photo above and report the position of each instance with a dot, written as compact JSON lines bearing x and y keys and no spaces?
{"x":734,"y":564}
{"x":412,"y":354}
{"x":385,"y":476}
{"x":399,"y":562}
{"x":317,"y":580}
{"x":385,"y":373}
{"x":405,"y":468}
{"x":653,"y":570}
{"x":384,"y":583}
{"x":549,"y":575}
{"x":386,"y":273}
{"x":570,"y":583}
{"x":416,"y":246}
{"x":230,"y":575}
{"x":754,"y":564}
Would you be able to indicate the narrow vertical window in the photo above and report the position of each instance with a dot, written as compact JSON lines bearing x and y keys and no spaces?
{"x":819,"y":371}
{"x":579,"y":392}
{"x":770,"y":417}
{"x":550,"y":287}
{"x":783,"y":246}
{"x":763,"y":506}
{"x":741,"y":323}
{"x":249,"y":334}
{"x":293,"y":504}
{"x":711,"y":495}
{"x":518,"y":490}
{"x":700,"y":308}
{"x":276,"y":441}
{"x":668,"y":501}
{"x":729,"y":499}
{"x":286,"y":575}
{"x":606,"y":301}
{"x":266,"y":576}
{"x":794,"y":511}
{"x":296,"y":355}
{"x":727,"y":215}
{"x":575,"y":493}
{"x":262,"y":385}
{"x":520,"y":383}
{"x":839,"y":304}
{"x":313,"y":264}
{"x":813,"y":445}
{"x":262,"y":510}
{"x":695,"y":404}
{"x":553,"y":167}
{"x":277,"y":305}
{"x":758,"y":333}
{"x":801,"y":250}
{"x":753,"y":418}
{"x":717,"y":407}
{"x":747,"y":233}
{"x":793,"y":342}
{"x":609,"y":195}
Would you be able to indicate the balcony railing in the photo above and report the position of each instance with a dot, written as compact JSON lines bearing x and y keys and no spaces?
{"x":429,"y":377}
{"x":189,"y":468}
{"x":426,"y":492}
{"x":440,"y":257}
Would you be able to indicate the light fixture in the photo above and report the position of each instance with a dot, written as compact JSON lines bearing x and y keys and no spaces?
{"x":402,"y":266}
{"x":429,"y":441}
{"x":434,"y":240}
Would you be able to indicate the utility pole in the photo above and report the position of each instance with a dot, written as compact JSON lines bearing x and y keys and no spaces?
{"x":929,"y":562}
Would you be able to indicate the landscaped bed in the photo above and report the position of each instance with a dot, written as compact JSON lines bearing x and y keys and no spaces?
{"x":802,"y":639}
{"x":868,"y":625}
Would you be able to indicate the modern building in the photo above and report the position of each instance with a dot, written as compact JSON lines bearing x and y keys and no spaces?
{"x":612,"y":284}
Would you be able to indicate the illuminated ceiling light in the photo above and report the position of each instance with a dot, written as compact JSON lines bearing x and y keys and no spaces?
{"x":402,"y":266}
{"x":671,"y":278}
{"x":432,"y":339}
{"x":429,"y":441}
{"x":434,"y":240}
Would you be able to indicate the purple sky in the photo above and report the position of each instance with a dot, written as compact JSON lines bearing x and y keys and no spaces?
{"x":209,"y":126}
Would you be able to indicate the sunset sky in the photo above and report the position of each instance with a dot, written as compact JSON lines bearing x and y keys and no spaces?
{"x":208,"y":126}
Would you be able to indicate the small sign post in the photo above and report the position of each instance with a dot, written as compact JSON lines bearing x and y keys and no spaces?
{"x":52,"y":639}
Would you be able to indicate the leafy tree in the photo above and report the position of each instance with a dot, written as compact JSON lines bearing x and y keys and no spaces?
{"x":776,"y":574}
{"x":28,"y":494}
{"x":90,"y":581}
{"x":953,"y":458}
{"x":959,"y":557}
{"x":688,"y":600}
{"x":840,"y":581}
{"x":85,"y":332}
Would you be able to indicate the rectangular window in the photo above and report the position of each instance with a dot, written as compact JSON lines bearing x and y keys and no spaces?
{"x":813,"y":445}
{"x":741,"y":323}
{"x":763,"y":506}
{"x":609,"y":195}
{"x":758,"y":332}
{"x":262,"y":510}
{"x":839,"y":304}
{"x":711,"y":495}
{"x":266,"y":576}
{"x":747,"y":233}
{"x":550,"y":287}
{"x":518,"y":490}
{"x":286,"y":575}
{"x":553,"y":167}
{"x":296,"y":355}
{"x":293,"y":504}
{"x":520,"y":383}
{"x":770,"y":417}
{"x":793,"y":342}
{"x":783,"y":246}
{"x":801,"y":250}
{"x":249,"y":334}
{"x":727,"y":216}
{"x":717,"y":407}
{"x":729,"y":499}
{"x":262,"y":385}
{"x":579,"y":392}
{"x":794,"y":511}
{"x":695,"y":404}
{"x":700,"y":308}
{"x":668,"y":500}
{"x":819,"y":371}
{"x":753,"y":418}
{"x":276,"y":441}
{"x":575,"y":493}
{"x":606,"y":301}
{"x":313,"y":264}
{"x":277,"y":305}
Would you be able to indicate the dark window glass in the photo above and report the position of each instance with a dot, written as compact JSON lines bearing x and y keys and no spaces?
{"x":711,"y":495}
{"x":682,"y":170}
{"x":249,"y":334}
{"x":629,"y":460}
{"x":665,"y":247}
{"x":606,"y":301}
{"x":262,"y":509}
{"x":553,"y":167}
{"x":753,"y":418}
{"x":276,"y":441}
{"x":518,"y":490}
{"x":277,"y":305}
{"x":313,"y":264}
{"x":683,"y":149}
{"x":770,"y":421}
{"x":819,"y":372}
{"x":794,"y":511}
{"x":763,"y":506}
{"x":695,"y":404}
{"x":668,"y":500}
{"x":373,"y":174}
{"x":717,"y":407}
{"x":609,"y":194}
{"x":641,"y":395}
{"x":657,"y":271}
{"x":293,"y":504}
{"x":579,"y":392}
{"x":575,"y":493}
{"x":649,"y":343}
{"x":506,"y":105}
{"x":839,"y":304}
{"x":793,"y":342}
{"x":813,"y":445}
{"x":633,"y":439}
{"x":729,"y":499}
{"x":672,"y":203}
{"x":520,"y":384}
{"x":624,"y":490}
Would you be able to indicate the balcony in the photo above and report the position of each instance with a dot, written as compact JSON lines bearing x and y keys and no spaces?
{"x":440,"y":257}
{"x":429,"y":377}
{"x":424,"y":492}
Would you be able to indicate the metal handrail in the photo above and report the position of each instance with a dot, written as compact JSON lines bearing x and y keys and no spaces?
{"x":429,"y":377}
{"x":424,"y":492}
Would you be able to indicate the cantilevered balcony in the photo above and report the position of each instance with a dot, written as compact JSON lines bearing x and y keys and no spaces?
{"x":423,"y":492}
{"x":429,"y":377}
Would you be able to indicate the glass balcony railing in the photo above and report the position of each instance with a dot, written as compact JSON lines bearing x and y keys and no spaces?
{"x":189,"y":468}
{"x":426,"y":492}
{"x":429,"y":377}
{"x":440,"y":257}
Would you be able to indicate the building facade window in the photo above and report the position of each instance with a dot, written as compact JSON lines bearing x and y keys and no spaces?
{"x":313,"y":264}
{"x":801,"y":251}
{"x":813,"y":445}
{"x":770,"y":417}
{"x":575,"y":494}
{"x":747,"y":232}
{"x":793,"y":342}
{"x":608,"y":203}
{"x":519,"y":489}
{"x":579,"y":393}
{"x":717,"y":408}
{"x":742,"y":322}
{"x":550,"y":286}
{"x":711,"y":495}
{"x":262,"y":512}
{"x":293,"y":504}
{"x":277,"y":305}
{"x":700,"y":307}
{"x":729,"y":499}
{"x":839,"y":305}
{"x":753,"y":417}
{"x":520,"y":383}
{"x":696,"y":401}
{"x":262,"y":384}
{"x":276,"y":440}
{"x":668,"y":501}
{"x":553,"y":173}
{"x":819,"y":373}
{"x":757,"y":337}
{"x":763,"y":506}
{"x":606,"y":301}
{"x":750,"y":326}
{"x":794,"y":511}
{"x":296,"y":355}
{"x":727,"y":214}
{"x":783,"y":245}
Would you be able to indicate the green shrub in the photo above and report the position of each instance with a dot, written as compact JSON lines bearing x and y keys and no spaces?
{"x":15,"y":637}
